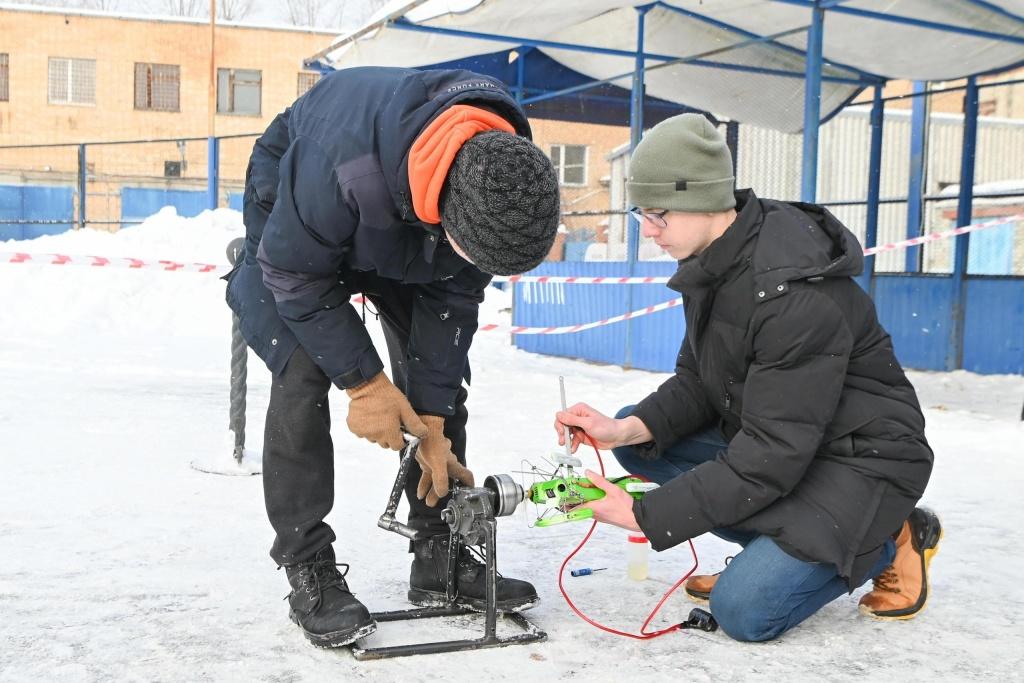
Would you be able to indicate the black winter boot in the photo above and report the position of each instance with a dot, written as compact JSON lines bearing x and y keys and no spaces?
{"x":429,"y":577}
{"x":322,"y":605}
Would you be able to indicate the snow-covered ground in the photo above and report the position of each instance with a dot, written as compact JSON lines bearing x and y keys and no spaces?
{"x":120,"y":562}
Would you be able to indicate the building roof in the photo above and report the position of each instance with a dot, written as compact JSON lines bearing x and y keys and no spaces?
{"x":162,"y":18}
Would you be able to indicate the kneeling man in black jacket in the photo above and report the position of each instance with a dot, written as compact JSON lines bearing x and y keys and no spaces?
{"x":788,"y":427}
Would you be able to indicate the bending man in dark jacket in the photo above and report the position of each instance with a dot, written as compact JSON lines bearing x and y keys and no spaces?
{"x":410,"y":188}
{"x":788,"y":427}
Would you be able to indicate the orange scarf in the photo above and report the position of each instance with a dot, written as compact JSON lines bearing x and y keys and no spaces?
{"x":434,"y":151}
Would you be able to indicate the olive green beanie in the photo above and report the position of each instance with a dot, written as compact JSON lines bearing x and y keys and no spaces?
{"x":682,"y":164}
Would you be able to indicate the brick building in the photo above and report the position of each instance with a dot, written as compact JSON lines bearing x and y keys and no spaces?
{"x":74,"y":76}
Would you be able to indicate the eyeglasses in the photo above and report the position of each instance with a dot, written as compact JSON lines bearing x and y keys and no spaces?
{"x":656,"y":218}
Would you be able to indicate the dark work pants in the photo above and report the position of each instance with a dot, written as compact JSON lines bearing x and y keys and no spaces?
{"x":298,"y":454}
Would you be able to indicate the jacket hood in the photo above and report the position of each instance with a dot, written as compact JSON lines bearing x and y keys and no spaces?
{"x":798,"y":241}
{"x":782,"y":241}
{"x":417,"y":100}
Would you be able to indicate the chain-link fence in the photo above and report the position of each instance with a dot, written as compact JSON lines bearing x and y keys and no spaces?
{"x":918,"y":180}
{"x":47,"y":189}
{"x":919,"y":183}
{"x":998,"y":189}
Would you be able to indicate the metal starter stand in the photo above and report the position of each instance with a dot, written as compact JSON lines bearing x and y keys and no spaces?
{"x":470,"y":514}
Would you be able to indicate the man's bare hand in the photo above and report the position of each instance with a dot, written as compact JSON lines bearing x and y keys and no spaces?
{"x":615,"y":508}
{"x":590,"y":425}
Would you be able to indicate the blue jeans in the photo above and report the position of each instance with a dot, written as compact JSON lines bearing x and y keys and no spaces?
{"x":763,"y":592}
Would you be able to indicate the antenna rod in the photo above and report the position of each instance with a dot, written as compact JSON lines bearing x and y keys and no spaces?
{"x":568,"y":430}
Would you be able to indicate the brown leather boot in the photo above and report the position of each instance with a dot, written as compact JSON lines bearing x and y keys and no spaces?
{"x":698,"y":587}
{"x":901,"y":591}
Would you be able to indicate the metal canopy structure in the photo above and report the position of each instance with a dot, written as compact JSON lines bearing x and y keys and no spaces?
{"x":770,"y":63}
{"x":570,"y":96}
{"x":787,"y":65}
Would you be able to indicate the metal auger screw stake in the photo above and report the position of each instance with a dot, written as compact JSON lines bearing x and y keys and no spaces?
{"x":239,"y":372}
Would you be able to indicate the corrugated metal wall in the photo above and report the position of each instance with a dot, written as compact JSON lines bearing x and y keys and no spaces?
{"x":35,"y":203}
{"x":138,"y":203}
{"x":915,"y":309}
{"x":994,"y":326}
{"x":652,"y":340}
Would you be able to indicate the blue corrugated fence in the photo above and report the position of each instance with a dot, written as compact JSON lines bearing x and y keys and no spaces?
{"x":35,"y":203}
{"x":915,"y":309}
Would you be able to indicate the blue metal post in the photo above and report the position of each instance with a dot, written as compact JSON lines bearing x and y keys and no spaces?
{"x":636,"y":127}
{"x":892,"y":17}
{"x":874,"y":184}
{"x":964,"y":211}
{"x":81,"y":186}
{"x":732,"y":141}
{"x":915,"y":187}
{"x":212,"y":172}
{"x":636,"y":131}
{"x":521,"y":72}
{"x":812,"y":105}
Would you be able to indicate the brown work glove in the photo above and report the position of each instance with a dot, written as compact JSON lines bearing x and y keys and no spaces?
{"x":438,"y":463}
{"x":378,"y":411}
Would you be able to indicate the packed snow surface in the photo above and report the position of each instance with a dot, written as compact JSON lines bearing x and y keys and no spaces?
{"x":122,"y":562}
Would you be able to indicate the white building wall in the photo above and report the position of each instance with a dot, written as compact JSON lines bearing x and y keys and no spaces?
{"x":769,"y":162}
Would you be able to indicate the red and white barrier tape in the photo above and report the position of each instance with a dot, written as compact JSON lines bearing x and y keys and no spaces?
{"x":569,"y":329}
{"x":892,"y":246}
{"x":580,"y":280}
{"x":121,"y":262}
{"x":136,"y":263}
{"x":935,"y":236}
{"x":102,"y":261}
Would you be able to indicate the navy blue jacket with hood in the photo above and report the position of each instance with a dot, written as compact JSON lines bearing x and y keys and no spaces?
{"x":327,"y":193}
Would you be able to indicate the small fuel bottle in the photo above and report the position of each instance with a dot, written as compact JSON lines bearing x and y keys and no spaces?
{"x":636,"y":559}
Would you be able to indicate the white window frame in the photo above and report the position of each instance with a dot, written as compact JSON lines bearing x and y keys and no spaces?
{"x":74,"y":67}
{"x":231,"y":109}
{"x":560,"y":167}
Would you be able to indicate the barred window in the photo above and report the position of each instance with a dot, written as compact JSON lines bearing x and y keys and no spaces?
{"x":307,"y":80}
{"x":5,"y":77}
{"x":570,"y":162}
{"x":239,"y":91}
{"x":157,"y":87}
{"x":72,"y":81}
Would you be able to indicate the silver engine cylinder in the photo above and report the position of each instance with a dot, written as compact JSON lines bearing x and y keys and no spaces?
{"x":507,"y":493}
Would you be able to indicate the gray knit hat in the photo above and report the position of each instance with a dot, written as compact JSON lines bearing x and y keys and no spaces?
{"x":682,"y":164}
{"x":500,"y":203}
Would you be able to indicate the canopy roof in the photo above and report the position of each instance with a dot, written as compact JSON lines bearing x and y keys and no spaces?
{"x":745,"y":59}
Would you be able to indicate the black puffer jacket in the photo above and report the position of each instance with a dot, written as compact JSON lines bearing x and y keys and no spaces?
{"x":827,"y":453}
{"x":327,"y":193}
